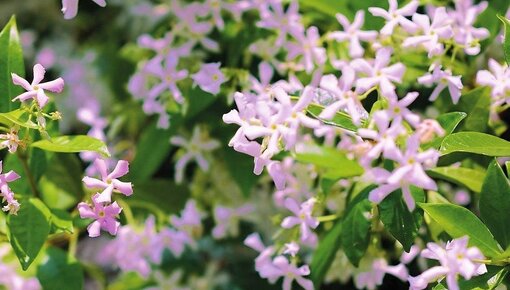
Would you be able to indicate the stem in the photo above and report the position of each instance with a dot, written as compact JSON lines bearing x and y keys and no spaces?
{"x":327,"y":218}
{"x":24,"y":161}
{"x":73,"y":242}
{"x":127,"y":211}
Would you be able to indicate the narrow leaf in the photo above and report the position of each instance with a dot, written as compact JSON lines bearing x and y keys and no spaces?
{"x":506,"y":43}
{"x":11,"y":61}
{"x":325,"y":254}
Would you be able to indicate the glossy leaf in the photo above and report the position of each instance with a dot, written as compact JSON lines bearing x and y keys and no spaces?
{"x":341,"y":120}
{"x":240,"y":168}
{"x":72,"y":144}
{"x":448,"y":122}
{"x":60,"y":271}
{"x":61,"y":220}
{"x":458,"y":221}
{"x":11,"y":61}
{"x":397,"y":219}
{"x":333,"y":162}
{"x":356,"y":227}
{"x":495,"y":203}
{"x":468,"y":177}
{"x":476,"y":103}
{"x":475,"y":142}
{"x":325,"y":254}
{"x":506,"y":43}
{"x":28,"y":230}
{"x":17,"y":117}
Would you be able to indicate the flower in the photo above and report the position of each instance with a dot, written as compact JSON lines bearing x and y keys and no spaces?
{"x":194,"y":149}
{"x":455,"y":259}
{"x":307,"y":46}
{"x":379,"y":73}
{"x":497,"y":78}
{"x":227,"y":220}
{"x":290,"y":272}
{"x":209,"y":78}
{"x":5,"y":191}
{"x":278,"y":20}
{"x":70,"y":7}
{"x":443,"y":78}
{"x":105,"y":216}
{"x":11,"y":140}
{"x":353,"y":34}
{"x":35,"y":90}
{"x":374,"y":276}
{"x":168,"y":77}
{"x":396,"y":16}
{"x":439,"y":29}
{"x":410,"y":171}
{"x":109,"y":182}
{"x":303,"y":218}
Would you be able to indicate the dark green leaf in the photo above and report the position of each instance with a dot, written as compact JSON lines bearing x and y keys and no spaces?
{"x":28,"y":230}
{"x":151,"y":150}
{"x":475,"y":142}
{"x":60,"y":271}
{"x":506,"y":43}
{"x":495,"y":203}
{"x":325,"y":254}
{"x":11,"y":61}
{"x":61,"y":186}
{"x":470,"y":178}
{"x":72,"y":144}
{"x":476,"y":104}
{"x":356,"y":227}
{"x":197,"y":101}
{"x":397,"y":219}
{"x":154,"y":191}
{"x":448,"y":216}
{"x":240,"y":167}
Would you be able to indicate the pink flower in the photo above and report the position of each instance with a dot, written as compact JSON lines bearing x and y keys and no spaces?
{"x":5,"y":191}
{"x":398,"y":111}
{"x":105,"y":216}
{"x":291,"y":248}
{"x":385,"y":136}
{"x":168,"y":76}
{"x":497,"y":78}
{"x":302,"y":217}
{"x":410,"y":171}
{"x":395,"y":16}
{"x":353,"y":34}
{"x":380,"y":73}
{"x":11,"y":141}
{"x":190,"y":221}
{"x":465,"y":15}
{"x":343,"y":96}
{"x":444,"y":79}
{"x":209,"y":78}
{"x":227,"y":220}
{"x":308,"y":47}
{"x":455,"y":259}
{"x":35,"y":90}
{"x":439,"y":29}
{"x":375,"y":274}
{"x":195,"y":148}
{"x":290,"y":272}
{"x":70,"y":7}
{"x":109,"y":182}
{"x":278,"y":20}
{"x":428,"y":129}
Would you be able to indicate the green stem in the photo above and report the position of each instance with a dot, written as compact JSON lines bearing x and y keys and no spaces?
{"x":24,"y":161}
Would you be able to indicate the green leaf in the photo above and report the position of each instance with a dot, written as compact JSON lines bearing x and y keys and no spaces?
{"x":197,"y":101}
{"x":458,"y":221}
{"x":356,"y":227}
{"x":495,"y":203}
{"x":28,"y":230}
{"x":506,"y":44}
{"x":448,"y":122}
{"x":397,"y":219}
{"x":17,"y":117}
{"x":72,"y":144}
{"x":475,"y":142}
{"x":488,"y":281}
{"x":61,"y":220}
{"x":476,"y":103}
{"x":61,"y":186}
{"x":151,"y":150}
{"x":470,"y":178}
{"x":60,"y":271}
{"x":341,"y":120}
{"x":154,"y":191}
{"x":334,"y":162}
{"x":240,"y":167}
{"x":11,"y":61}
{"x":325,"y":254}
{"x":328,"y":7}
